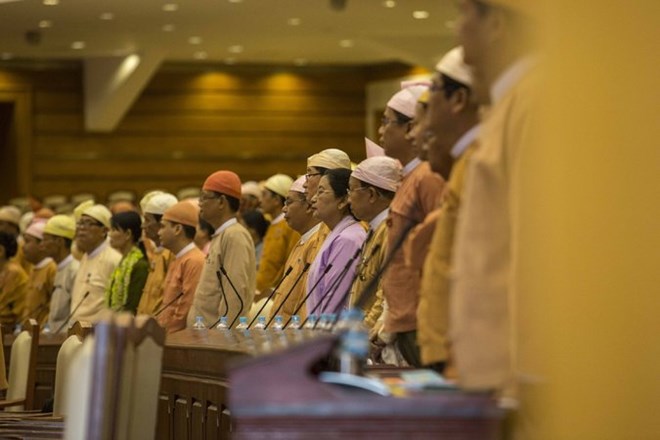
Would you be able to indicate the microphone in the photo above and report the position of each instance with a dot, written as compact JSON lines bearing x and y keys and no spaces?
{"x":168,"y":304}
{"x":73,"y":312}
{"x":295,"y":312}
{"x":224,"y":272}
{"x":224,"y":297}
{"x":295,"y":283}
{"x":335,"y":285}
{"x":377,"y":246}
{"x":286,"y":274}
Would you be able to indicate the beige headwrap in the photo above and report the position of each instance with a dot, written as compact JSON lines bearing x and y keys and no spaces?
{"x":279,"y":184}
{"x":380,"y":171}
{"x":405,"y":100}
{"x":297,"y":185}
{"x":330,"y":158}
{"x":453,"y":66}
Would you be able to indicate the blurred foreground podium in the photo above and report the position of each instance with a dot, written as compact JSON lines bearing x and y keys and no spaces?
{"x":279,"y":396}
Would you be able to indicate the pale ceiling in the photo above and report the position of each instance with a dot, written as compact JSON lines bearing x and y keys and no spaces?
{"x":379,"y":34}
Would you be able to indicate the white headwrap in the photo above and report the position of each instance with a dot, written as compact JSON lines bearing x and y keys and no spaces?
{"x":380,"y":171}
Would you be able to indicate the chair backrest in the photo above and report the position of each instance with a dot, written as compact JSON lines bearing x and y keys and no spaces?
{"x":149,"y":342}
{"x":68,"y":350}
{"x":23,"y":367}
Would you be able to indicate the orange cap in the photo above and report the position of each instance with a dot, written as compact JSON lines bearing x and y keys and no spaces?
{"x":184,"y":212}
{"x":224,"y":182}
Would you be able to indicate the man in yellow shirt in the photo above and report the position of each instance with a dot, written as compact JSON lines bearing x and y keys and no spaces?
{"x":42,"y":276}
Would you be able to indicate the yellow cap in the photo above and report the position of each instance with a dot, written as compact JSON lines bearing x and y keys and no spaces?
{"x":62,"y":226}
{"x":78,"y":210}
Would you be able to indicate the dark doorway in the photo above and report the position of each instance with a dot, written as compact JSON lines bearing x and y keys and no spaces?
{"x":9,"y":159}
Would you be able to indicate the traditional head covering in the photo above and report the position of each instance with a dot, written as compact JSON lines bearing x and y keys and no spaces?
{"x":185,"y":213}
{"x":297,"y":185}
{"x":10,"y":214}
{"x":373,"y":149}
{"x":78,"y":210}
{"x":159,"y":203}
{"x":251,"y":188}
{"x":122,"y":206}
{"x":36,"y":229}
{"x":145,"y":199}
{"x":100,"y":213}
{"x":382,"y":172}
{"x":330,"y":158}
{"x":453,"y":66}
{"x":279,"y":184}
{"x":405,"y":100}
{"x":26,"y":219}
{"x":44,"y":213}
{"x":62,"y":226}
{"x":224,"y":182}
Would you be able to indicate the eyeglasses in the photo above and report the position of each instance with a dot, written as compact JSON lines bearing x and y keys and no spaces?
{"x":205,"y":197}
{"x":384,"y":121}
{"x":288,"y":202}
{"x":310,"y":175}
{"x":88,"y":224}
{"x":349,"y":191}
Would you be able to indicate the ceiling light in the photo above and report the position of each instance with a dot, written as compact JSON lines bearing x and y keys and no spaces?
{"x":51,"y":2}
{"x":107,"y":16}
{"x":168,"y":28}
{"x":170,"y":7}
{"x":6,"y":56}
{"x":346,"y":43}
{"x":230,"y":60}
{"x":77,"y":45}
{"x":294,"y":21}
{"x":235,"y":1}
{"x":44,"y":24}
{"x":452,"y":25}
{"x":421,"y":15}
{"x":195,"y":40}
{"x":201,"y":55}
{"x":237,"y":48}
{"x":300,"y":62}
{"x":389,"y":3}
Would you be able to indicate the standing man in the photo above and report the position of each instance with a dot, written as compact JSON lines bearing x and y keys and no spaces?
{"x":228,"y":280}
{"x":300,"y":219}
{"x":153,"y":206}
{"x":97,"y":264}
{"x":279,"y":239}
{"x":41,"y":277}
{"x":58,"y":237}
{"x":496,"y":36}
{"x":417,"y":196}
{"x":451,"y":133}
{"x":177,"y":232}
{"x":371,"y":189}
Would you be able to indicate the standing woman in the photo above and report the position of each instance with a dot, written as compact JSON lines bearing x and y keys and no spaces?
{"x":331,"y":206}
{"x":128,"y":279}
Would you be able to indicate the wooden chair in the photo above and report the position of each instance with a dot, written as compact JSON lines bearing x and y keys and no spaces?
{"x":76,"y":336}
{"x":22,"y":369}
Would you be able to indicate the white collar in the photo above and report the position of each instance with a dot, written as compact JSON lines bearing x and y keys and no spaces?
{"x":410,"y":166}
{"x":185,"y":250}
{"x":64,"y":263}
{"x":380,"y":218}
{"x":510,"y":77}
{"x":98,"y":250}
{"x":225,"y":225}
{"x":43,"y":263}
{"x":278,"y":219}
{"x":306,"y":235}
{"x":464,"y":142}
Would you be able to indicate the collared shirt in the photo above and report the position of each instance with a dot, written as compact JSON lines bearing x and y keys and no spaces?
{"x":62,"y":264}
{"x":465,"y":141}
{"x":225,"y":225}
{"x":339,"y":247}
{"x":60,"y":301}
{"x":277,"y":219}
{"x":510,"y":77}
{"x":380,"y":218}
{"x":40,"y":288}
{"x":279,"y":241}
{"x":185,"y":250}
{"x":98,"y":249}
{"x":410,"y":166}
{"x":43,"y":263}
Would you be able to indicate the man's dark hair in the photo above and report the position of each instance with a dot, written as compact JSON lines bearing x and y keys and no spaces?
{"x":190,"y":231}
{"x":279,"y":197}
{"x":451,"y":86}
{"x":8,"y":241}
{"x":400,"y":117}
{"x":255,"y":220}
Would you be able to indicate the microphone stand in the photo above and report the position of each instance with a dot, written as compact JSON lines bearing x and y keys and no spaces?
{"x":68,"y":318}
{"x":295,"y":312}
{"x":286,"y":274}
{"x":295,"y":283}
{"x":224,"y":297}
{"x":224,"y":272}
{"x":168,"y":304}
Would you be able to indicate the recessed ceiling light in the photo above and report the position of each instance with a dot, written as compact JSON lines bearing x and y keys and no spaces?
{"x":389,"y":3}
{"x":230,"y":60}
{"x":168,"y":27}
{"x":421,"y":15}
{"x":346,"y":43}
{"x":294,"y":21}
{"x":44,"y":24}
{"x":237,"y":48}
{"x":451,"y":25}
{"x":51,"y":2}
{"x":300,"y":62}
{"x":201,"y":55}
{"x":77,"y":45}
{"x":170,"y":7}
{"x":107,"y":16}
{"x":7,"y":55}
{"x":235,"y":1}
{"x":195,"y":40}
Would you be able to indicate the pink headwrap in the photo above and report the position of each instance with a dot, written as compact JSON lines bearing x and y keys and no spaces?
{"x":406,"y":99}
{"x":380,"y":171}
